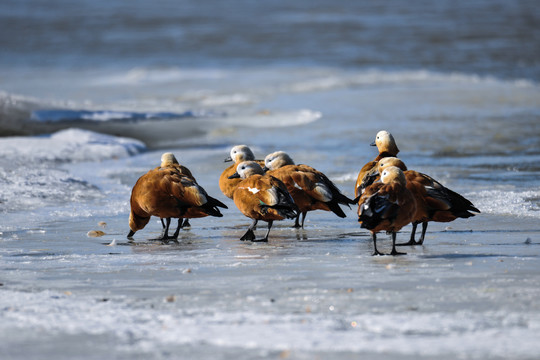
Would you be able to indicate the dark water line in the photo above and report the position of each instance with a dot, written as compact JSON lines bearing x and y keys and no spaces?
{"x":486,"y":37}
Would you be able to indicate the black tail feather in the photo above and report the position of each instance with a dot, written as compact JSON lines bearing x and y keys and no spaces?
{"x":460,"y":206}
{"x":344,"y":200}
{"x":286,"y":211}
{"x":216,"y":202}
{"x":211,"y":209}
{"x":334,"y":207}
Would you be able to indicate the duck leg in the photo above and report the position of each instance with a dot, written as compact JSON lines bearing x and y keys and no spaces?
{"x":374,"y":238}
{"x":165,"y":233}
{"x":265,"y":239}
{"x":186,"y":223}
{"x":394,"y":252}
{"x":250,"y":235}
{"x":411,"y":240}
{"x":181,"y":224}
{"x":424,"y":228}
{"x":303,"y":218}
{"x":297,"y":223}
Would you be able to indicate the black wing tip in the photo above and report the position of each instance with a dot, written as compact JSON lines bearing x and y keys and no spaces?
{"x":216,"y":202}
{"x":336,"y":209}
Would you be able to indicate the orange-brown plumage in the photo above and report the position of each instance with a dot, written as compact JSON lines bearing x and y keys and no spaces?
{"x":169,"y":160}
{"x":434,"y":201}
{"x":387,"y":147}
{"x":166,"y":192}
{"x":253,"y":204}
{"x":226,"y":185}
{"x":310,"y":188}
{"x":302,"y":185}
{"x":386,"y":206}
{"x":261,"y":197}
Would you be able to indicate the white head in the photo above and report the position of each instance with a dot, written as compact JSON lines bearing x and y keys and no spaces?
{"x":168,"y":159}
{"x":277,"y":159}
{"x":247,"y":168}
{"x":390,"y":161}
{"x":241,"y":153}
{"x":385,"y":143}
{"x":391,"y":174}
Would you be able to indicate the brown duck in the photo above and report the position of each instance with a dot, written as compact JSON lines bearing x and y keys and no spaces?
{"x":261,"y":197}
{"x":168,"y":192}
{"x":387,"y":205}
{"x":310,"y":188}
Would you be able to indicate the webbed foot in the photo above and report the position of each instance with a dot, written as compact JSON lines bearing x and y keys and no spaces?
{"x":408,"y":243}
{"x":394,"y":253}
{"x":248,"y":236}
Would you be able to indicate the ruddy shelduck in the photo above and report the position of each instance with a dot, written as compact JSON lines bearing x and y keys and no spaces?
{"x":237,"y":154}
{"x":261,"y":197}
{"x":166,"y":192}
{"x":168,"y":159}
{"x":387,"y":205}
{"x":387,"y":147}
{"x":310,"y":188}
{"x":435,"y":202}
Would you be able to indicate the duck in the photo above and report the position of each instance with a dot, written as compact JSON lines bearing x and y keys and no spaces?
{"x":310,"y":188}
{"x":260,"y":196}
{"x":168,"y":159}
{"x":386,"y":144}
{"x":435,"y":202}
{"x":237,"y":154}
{"x":168,"y":192}
{"x":387,"y":205}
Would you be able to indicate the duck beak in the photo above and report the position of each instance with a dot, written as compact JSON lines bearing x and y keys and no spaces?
{"x":265,"y":169}
{"x":234,"y":176}
{"x":227,"y":159}
{"x":373,"y":144}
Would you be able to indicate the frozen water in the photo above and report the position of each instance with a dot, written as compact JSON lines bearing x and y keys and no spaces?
{"x":468,"y":293}
{"x":79,"y":132}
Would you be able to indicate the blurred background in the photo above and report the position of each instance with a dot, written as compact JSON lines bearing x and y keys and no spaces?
{"x":479,"y":37}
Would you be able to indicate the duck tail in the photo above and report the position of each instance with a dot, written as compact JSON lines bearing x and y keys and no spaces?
{"x":211,"y":207}
{"x":285,"y":210}
{"x":336,"y":209}
{"x":216,"y":202}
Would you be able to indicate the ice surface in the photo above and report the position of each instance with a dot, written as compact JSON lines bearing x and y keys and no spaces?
{"x":463,"y":295}
{"x":469,"y":293}
{"x":31,"y":172}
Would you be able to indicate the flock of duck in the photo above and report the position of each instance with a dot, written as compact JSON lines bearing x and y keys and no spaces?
{"x":389,"y":196}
